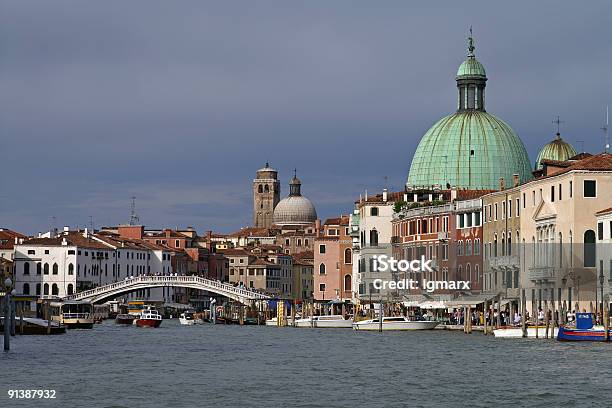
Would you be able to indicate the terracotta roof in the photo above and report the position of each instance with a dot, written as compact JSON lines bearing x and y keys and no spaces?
{"x":598,"y":162}
{"x":7,"y":238}
{"x":73,"y":238}
{"x":303,"y":258}
{"x":606,"y":211}
{"x":251,"y":231}
{"x":234,"y":252}
{"x":472,"y":194}
{"x":262,"y":262}
{"x":580,"y":156}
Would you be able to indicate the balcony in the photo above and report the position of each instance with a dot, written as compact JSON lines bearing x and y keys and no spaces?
{"x":507,"y":261}
{"x":541,"y":273}
{"x":443,"y":236}
{"x":395,"y":239}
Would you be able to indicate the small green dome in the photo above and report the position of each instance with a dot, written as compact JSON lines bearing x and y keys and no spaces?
{"x":471,"y":67}
{"x":558,"y":149}
{"x":470,"y":149}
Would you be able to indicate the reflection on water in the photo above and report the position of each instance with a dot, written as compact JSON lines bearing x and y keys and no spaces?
{"x":202,"y":366}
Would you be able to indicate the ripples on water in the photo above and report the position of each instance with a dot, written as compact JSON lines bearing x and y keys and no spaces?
{"x":252,"y":366}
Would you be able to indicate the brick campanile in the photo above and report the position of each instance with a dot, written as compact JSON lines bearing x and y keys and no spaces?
{"x":266,"y":194}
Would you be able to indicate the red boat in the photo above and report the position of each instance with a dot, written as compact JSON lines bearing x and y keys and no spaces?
{"x":149,"y":318}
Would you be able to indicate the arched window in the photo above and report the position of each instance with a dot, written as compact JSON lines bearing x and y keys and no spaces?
{"x":477,"y":273}
{"x":347,"y":283}
{"x":46,"y":268}
{"x":38,"y":268}
{"x":373,"y":238}
{"x":374,"y":211}
{"x":260,"y":189}
{"x":38,"y":289}
{"x":70,"y":269}
{"x":509,"y":242}
{"x":459,"y":272}
{"x":348,"y":256}
{"x":560,"y":250}
{"x":70,"y":289}
{"x":589,"y":249}
{"x":468,"y":272}
{"x":26,"y":288}
{"x":54,"y":290}
{"x":322,"y":269}
{"x":26,"y":268}
{"x":55,"y":269}
{"x":495,"y":246}
{"x":46,"y":289}
{"x":267,"y":188}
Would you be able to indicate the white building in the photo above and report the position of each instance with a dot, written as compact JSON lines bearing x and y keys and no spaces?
{"x":75,"y":261}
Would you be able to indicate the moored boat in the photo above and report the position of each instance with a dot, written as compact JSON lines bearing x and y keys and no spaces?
{"x":274,"y":321}
{"x":188,"y":318}
{"x":329,"y":321}
{"x":395,"y":323}
{"x":517,"y":332}
{"x":73,"y":314}
{"x":149,"y":318}
{"x":583,"y":330}
{"x":125,"y":318}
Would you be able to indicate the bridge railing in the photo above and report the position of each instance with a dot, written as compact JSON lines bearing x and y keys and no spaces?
{"x":173,"y":280}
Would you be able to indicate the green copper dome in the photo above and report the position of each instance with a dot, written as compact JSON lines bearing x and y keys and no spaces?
{"x":558,"y":149}
{"x":470,"y":148}
{"x":471,"y":67}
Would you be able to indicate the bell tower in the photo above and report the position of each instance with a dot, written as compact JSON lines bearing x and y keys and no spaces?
{"x":266,"y":194}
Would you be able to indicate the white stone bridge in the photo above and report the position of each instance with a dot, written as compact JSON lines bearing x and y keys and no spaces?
{"x":112,"y":290}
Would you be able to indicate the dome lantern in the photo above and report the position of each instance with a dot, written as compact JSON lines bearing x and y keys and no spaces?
{"x":471,"y":81}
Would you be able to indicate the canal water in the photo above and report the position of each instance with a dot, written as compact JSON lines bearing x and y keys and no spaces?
{"x":258,"y":366}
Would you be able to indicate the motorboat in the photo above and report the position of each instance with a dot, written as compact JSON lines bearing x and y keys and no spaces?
{"x":188,"y":318}
{"x":331,"y":321}
{"x":517,"y":332}
{"x":395,"y":323}
{"x":583,"y":330}
{"x":73,"y":314}
{"x":149,"y":318}
{"x":125,"y":318}
{"x":274,"y":321}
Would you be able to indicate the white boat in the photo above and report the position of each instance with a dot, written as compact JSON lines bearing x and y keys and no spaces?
{"x":73,"y":314}
{"x":189,"y":319}
{"x":332,"y":321}
{"x":517,"y":332}
{"x":274,"y":321}
{"x":395,"y":323}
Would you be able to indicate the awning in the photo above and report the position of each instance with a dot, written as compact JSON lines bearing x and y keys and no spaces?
{"x":433,"y":305}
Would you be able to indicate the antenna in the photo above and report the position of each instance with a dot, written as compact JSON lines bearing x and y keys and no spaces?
{"x":134,"y":220}
{"x":558,"y":122}
{"x":605,"y":129}
{"x":91,"y":223}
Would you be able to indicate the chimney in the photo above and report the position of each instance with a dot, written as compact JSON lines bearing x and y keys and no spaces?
{"x":64,"y":242}
{"x":317,"y":226}
{"x":516,"y":180}
{"x":502,"y":184}
{"x":385,"y":195}
{"x":366,"y":195}
{"x":453,"y":194}
{"x":86,"y":233}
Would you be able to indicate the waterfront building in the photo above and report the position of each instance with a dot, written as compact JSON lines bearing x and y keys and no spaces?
{"x":471,"y":148}
{"x":559,"y":231}
{"x":370,"y":232}
{"x":266,"y":195}
{"x":8,"y":239}
{"x":295,"y":239}
{"x":501,"y":238}
{"x":303,"y":279}
{"x":446,"y":227}
{"x":604,"y":253}
{"x":333,"y":261}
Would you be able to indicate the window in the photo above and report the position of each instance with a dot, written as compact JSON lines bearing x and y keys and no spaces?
{"x":38,"y":268}
{"x":71,"y":252}
{"x":524,"y":200}
{"x":347,"y":283}
{"x":374,"y":211}
{"x":590,"y":188}
{"x":477,"y":246}
{"x":70,"y":289}
{"x":71,"y":269}
{"x":560,"y":198}
{"x":46,"y":269}
{"x":31,"y":252}
{"x":600,"y":232}
{"x":177,"y":243}
{"x":260,"y":189}
{"x":55,"y":269}
{"x":374,"y":237}
{"x":46,"y":289}
{"x":518,"y":207}
{"x":571,"y":189}
{"x":26,"y":266}
{"x":495,"y":218}
{"x":348,"y":256}
{"x":552,"y":194}
{"x":26,"y":289}
{"x":321,"y":249}
{"x":589,"y":249}
{"x":54,"y":290}
{"x":509,"y":208}
{"x":322,"y":287}
{"x":322,"y":269}
{"x":38,"y":289}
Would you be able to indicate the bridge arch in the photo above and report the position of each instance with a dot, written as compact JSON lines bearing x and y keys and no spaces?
{"x":115,"y":289}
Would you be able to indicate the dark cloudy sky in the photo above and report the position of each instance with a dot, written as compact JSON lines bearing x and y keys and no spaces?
{"x":179,"y":102}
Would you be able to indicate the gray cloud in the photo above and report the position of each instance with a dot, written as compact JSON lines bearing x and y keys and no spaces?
{"x":180,"y":102}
